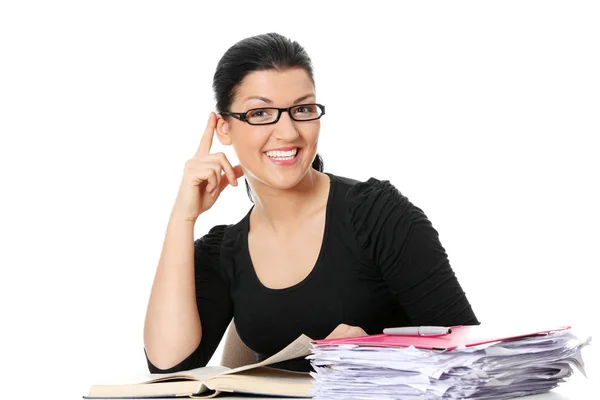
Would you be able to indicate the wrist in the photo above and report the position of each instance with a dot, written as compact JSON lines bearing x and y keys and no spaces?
{"x":180,"y":219}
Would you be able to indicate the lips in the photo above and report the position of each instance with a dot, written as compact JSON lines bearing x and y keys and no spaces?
{"x":283,"y":158}
{"x":282,"y":154}
{"x":284,"y":148}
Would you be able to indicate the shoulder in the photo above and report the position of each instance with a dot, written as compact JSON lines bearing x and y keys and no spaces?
{"x":210,"y":249}
{"x":356,"y":189}
{"x":207,"y":248}
{"x":214,"y":235}
{"x":371,"y":198}
{"x":219,"y":237}
{"x":374,"y":190}
{"x":212,"y":239}
{"x":378,"y":212}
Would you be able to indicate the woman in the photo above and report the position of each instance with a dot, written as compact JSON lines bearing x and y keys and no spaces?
{"x":318,"y":253}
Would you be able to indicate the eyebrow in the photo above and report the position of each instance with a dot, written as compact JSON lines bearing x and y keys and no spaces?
{"x":299,"y":99}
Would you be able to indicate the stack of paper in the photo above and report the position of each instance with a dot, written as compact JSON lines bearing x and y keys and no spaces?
{"x":494,"y":370}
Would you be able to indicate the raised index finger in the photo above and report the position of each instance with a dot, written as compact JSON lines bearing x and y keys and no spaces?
{"x":206,"y":141}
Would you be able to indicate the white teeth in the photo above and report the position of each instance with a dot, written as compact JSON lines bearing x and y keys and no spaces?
{"x":282,"y":154}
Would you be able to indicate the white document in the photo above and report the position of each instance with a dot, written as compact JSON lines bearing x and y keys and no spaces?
{"x":498,"y":370}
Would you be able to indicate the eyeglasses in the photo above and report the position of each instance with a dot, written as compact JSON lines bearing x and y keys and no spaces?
{"x":270,"y":115}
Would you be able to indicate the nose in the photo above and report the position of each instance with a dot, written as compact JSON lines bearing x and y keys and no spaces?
{"x":285,"y":128}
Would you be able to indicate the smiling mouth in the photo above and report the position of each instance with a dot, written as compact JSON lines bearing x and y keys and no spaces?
{"x":283,"y":155}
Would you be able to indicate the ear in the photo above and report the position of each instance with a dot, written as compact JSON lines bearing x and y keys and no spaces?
{"x":223,"y":132}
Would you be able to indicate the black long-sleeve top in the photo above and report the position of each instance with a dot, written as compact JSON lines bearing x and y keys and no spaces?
{"x":381,"y":265}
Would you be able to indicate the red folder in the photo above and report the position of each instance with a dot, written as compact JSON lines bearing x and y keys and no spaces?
{"x":461,"y":335}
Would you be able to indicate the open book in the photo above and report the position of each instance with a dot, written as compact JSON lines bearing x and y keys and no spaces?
{"x":209,"y":382}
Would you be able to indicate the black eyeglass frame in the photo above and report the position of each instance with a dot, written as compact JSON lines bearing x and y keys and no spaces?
{"x":242,"y":116}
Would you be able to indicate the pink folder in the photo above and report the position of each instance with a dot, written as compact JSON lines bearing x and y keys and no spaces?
{"x":467,"y":335}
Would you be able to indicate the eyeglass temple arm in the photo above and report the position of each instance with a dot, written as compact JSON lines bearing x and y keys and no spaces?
{"x":240,"y":116}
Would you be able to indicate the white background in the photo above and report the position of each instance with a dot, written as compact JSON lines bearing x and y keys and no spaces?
{"x":485,"y":114}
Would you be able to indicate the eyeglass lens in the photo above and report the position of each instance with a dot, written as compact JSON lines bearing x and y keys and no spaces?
{"x":300,"y":113}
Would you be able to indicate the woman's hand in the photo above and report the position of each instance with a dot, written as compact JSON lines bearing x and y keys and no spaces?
{"x":344,"y":331}
{"x":203,"y":181}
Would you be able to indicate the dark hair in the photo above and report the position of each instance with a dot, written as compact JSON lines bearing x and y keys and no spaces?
{"x":258,"y":53}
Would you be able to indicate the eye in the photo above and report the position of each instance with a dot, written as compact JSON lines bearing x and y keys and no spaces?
{"x":260,"y":112}
{"x":306,"y":112}
{"x":305,"y":109}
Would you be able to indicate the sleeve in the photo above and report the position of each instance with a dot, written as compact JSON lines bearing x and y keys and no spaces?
{"x":215,"y":306}
{"x":399,"y":238}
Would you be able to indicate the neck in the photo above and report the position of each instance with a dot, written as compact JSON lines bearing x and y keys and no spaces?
{"x":282,"y":209}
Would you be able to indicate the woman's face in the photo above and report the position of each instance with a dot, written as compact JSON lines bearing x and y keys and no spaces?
{"x":252,"y":142}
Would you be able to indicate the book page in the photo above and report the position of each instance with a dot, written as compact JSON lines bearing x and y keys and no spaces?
{"x":197,"y":374}
{"x":195,"y":379}
{"x":298,"y":348}
{"x":264,"y":381}
{"x":163,"y":389}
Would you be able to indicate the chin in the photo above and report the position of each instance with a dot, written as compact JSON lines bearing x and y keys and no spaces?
{"x":284,"y":180}
{"x":283,"y":172}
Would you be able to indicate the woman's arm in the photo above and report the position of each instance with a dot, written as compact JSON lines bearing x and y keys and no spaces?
{"x":172,"y":328}
{"x":211,"y":303}
{"x":421,"y":279}
{"x":401,"y":241}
